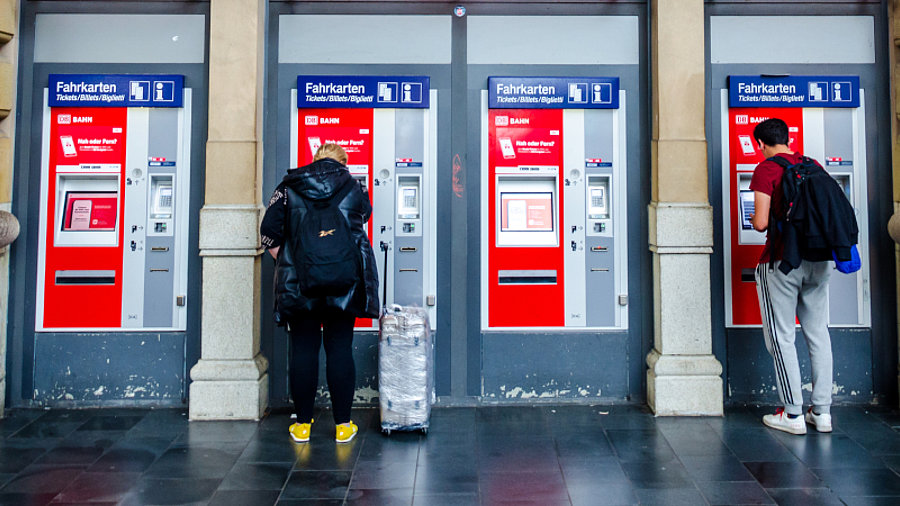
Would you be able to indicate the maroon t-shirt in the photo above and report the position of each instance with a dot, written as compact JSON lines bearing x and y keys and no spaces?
{"x":767,"y":179}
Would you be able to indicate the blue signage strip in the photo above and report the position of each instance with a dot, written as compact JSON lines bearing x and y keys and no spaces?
{"x":363,"y":92}
{"x":793,"y":91}
{"x":116,"y":90}
{"x":553,"y":92}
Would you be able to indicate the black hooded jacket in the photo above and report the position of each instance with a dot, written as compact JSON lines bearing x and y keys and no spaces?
{"x":318,"y":181}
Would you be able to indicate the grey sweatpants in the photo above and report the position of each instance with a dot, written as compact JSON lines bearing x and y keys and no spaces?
{"x":802,"y":292}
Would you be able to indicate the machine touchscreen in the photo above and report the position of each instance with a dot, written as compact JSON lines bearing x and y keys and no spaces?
{"x":526,"y":212}
{"x":747,"y":206}
{"x":90,"y":211}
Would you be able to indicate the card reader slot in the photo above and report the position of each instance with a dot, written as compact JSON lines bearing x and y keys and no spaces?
{"x":159,"y":270}
{"x":599,"y":249}
{"x":160,"y":248}
{"x":536,"y":277}
{"x":85,"y":277}
{"x":408,"y":249}
{"x":599,"y":269}
{"x":409,"y":270}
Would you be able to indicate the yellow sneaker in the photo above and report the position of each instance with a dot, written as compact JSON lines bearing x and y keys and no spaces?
{"x":300,"y":431}
{"x":345,"y":432}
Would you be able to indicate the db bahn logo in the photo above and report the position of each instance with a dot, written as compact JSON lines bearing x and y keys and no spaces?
{"x":742,"y":119}
{"x":312,"y":120}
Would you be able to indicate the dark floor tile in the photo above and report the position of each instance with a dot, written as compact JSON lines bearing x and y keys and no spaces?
{"x":84,"y":503}
{"x":106,"y":422}
{"x":380,"y":497}
{"x":15,"y":419}
{"x":159,"y":422}
{"x":329,"y":456}
{"x":640,"y":421}
{"x":640,"y":446}
{"x":446,"y":477}
{"x":215,"y":432}
{"x":64,"y":455}
{"x":716,"y":468}
{"x":25,"y":499}
{"x":98,"y":487}
{"x":583,"y":445}
{"x":197,"y":462}
{"x":43,"y":479}
{"x":317,"y":485}
{"x":280,"y":449}
{"x":399,"y":446}
{"x":256,"y":477}
{"x":870,"y":501}
{"x":171,"y":491}
{"x":878,"y":439}
{"x":458,"y":446}
{"x":657,"y":475}
{"x":892,"y":462}
{"x":607,"y":494}
{"x":522,"y":487}
{"x":832,"y":450}
{"x":856,"y":415}
{"x":5,"y":478}
{"x":782,"y":475}
{"x":41,"y":428}
{"x":13,"y":460}
{"x":370,"y":474}
{"x":792,"y":496}
{"x":452,"y":420}
{"x":517,"y":454}
{"x":861,"y":482}
{"x":310,"y":502}
{"x":564,"y":417}
{"x":686,"y":443}
{"x":275,"y":422}
{"x":734,"y":492}
{"x":670,"y":496}
{"x":245,"y":498}
{"x":756,"y":445}
{"x":123,"y":461}
{"x":445,"y":500}
{"x":599,"y":470}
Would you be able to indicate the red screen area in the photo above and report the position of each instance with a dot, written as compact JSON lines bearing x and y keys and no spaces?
{"x":524,"y":141}
{"x":90,"y":211}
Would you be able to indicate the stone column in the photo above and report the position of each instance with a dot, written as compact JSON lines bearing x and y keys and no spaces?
{"x":230,"y":381}
{"x":894,"y":223}
{"x":8,"y":56}
{"x":684,"y":377}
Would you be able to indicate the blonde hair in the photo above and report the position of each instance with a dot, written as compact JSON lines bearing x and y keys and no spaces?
{"x":332,"y":151}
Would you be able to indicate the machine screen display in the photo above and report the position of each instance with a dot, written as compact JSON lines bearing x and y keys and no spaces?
{"x":526,"y":212}
{"x":90,"y":211}
{"x":747,"y":206}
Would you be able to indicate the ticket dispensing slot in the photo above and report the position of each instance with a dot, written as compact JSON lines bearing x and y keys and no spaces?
{"x":409,"y":212}
{"x":599,"y":221}
{"x":530,"y":277}
{"x":162,"y":198}
{"x":89,"y":214}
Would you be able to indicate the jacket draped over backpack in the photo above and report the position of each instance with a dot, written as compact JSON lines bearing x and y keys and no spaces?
{"x":323,"y":183}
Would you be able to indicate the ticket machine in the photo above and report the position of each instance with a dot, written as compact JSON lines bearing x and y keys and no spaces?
{"x":112,"y":249}
{"x":825,"y":117}
{"x":387,"y":125}
{"x":553,"y":207}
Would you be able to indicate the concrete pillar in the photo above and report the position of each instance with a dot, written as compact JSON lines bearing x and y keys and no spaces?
{"x":230,"y":381}
{"x":9,"y":21}
{"x":684,"y":377}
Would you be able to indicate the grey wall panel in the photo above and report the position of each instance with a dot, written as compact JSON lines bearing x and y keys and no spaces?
{"x":363,"y":39}
{"x":119,"y":38}
{"x":553,"y":40}
{"x":792,"y":39}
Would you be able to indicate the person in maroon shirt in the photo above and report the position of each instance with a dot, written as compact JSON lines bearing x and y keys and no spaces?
{"x":802,"y":292}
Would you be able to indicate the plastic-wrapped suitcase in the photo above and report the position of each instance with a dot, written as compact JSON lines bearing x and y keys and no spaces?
{"x":405,"y":366}
{"x":405,"y":369}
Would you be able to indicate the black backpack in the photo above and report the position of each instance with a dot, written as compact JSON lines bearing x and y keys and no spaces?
{"x":327,"y":257}
{"x":817,"y":221}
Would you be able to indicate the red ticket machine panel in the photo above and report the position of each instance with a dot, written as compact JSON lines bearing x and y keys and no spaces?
{"x":747,"y":244}
{"x":525,"y":252}
{"x":83,"y":276}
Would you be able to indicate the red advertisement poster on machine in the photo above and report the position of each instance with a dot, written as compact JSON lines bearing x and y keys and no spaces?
{"x":527,"y":142}
{"x":744,"y":155}
{"x":350,"y":129}
{"x":85,"y":185}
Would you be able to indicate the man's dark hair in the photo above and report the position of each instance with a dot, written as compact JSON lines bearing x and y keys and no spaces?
{"x":772,"y":132}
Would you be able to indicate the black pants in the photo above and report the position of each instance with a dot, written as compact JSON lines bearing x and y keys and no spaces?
{"x":336,"y":331}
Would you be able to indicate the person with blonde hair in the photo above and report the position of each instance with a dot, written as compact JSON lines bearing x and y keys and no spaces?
{"x":319,"y":296}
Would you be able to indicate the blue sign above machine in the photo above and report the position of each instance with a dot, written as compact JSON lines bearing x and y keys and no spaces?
{"x":793,"y":91}
{"x":363,"y":92}
{"x":553,"y":92}
{"x":116,"y":90}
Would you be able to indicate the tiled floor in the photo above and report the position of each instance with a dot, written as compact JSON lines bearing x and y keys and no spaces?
{"x":489,"y":455}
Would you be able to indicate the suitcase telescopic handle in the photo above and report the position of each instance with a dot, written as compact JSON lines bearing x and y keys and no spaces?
{"x":385,"y":248}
